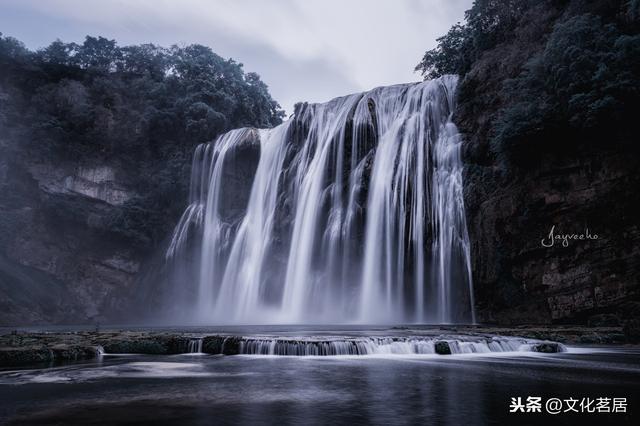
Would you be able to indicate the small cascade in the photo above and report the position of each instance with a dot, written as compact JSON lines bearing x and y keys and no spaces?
{"x":194,"y":346}
{"x":386,"y":345}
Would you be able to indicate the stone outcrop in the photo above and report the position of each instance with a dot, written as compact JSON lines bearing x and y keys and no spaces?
{"x":548,"y":348}
{"x":576,"y":181}
{"x":163,"y":344}
{"x":59,"y":263}
{"x":520,"y":280}
{"x":30,"y":348}
{"x":99,"y":182}
{"x":62,"y":260}
{"x":442,"y":348}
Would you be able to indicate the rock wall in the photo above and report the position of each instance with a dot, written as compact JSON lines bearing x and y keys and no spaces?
{"x":520,"y":280}
{"x":573,"y":180}
{"x":58,"y":264}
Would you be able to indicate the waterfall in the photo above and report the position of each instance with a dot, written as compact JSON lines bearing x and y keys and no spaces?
{"x":194,"y":346}
{"x":351,"y":212}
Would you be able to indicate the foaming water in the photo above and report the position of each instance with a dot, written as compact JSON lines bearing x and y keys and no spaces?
{"x":354,"y":214}
{"x":79,"y":373}
{"x":194,"y":346}
{"x":362,"y":346}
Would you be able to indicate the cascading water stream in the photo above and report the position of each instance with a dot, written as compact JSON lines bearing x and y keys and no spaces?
{"x":388,"y":345}
{"x":353,"y":213}
{"x":194,"y":346}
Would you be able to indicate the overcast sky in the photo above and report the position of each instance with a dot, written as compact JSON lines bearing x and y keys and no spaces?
{"x":305,"y":50}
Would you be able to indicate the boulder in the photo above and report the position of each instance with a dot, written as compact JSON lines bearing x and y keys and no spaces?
{"x":631,"y":330}
{"x":153,"y":345}
{"x":547,"y":347}
{"x":442,"y":348}
{"x":604,"y":320}
{"x":25,"y":355}
{"x":226,"y":345}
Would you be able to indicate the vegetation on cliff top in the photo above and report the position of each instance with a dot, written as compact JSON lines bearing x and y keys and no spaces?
{"x":142,"y":107}
{"x":546,"y":101}
{"x":553,"y":68}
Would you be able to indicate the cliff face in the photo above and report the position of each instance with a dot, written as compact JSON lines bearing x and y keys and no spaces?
{"x":95,"y":147}
{"x":517,"y":278}
{"x":570,"y":175}
{"x":546,"y":102}
{"x":57,"y":264}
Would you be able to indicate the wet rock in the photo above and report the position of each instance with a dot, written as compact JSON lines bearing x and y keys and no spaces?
{"x":631,"y":330}
{"x":629,"y":310}
{"x":591,"y":338}
{"x":238,"y":172}
{"x":152,"y":345}
{"x":231,"y":345}
{"x":548,"y":347}
{"x":604,"y":320}
{"x":226,"y":345}
{"x":442,"y":348}
{"x":212,"y":344}
{"x":73,"y":352}
{"x":21,"y":356}
{"x":26,"y":355}
{"x":604,"y":338}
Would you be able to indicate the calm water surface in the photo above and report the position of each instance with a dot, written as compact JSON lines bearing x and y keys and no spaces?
{"x":386,"y":390}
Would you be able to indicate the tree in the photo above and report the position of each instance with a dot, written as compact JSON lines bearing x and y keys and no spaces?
{"x":487,"y":23}
{"x":143,"y":106}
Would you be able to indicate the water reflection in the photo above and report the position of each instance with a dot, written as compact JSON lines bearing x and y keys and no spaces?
{"x":253,"y":390}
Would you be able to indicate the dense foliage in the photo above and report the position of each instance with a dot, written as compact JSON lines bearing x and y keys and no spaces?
{"x":142,"y":107}
{"x":547,"y":94}
{"x":581,"y":77}
{"x":487,"y":23}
